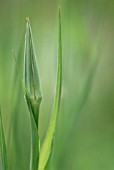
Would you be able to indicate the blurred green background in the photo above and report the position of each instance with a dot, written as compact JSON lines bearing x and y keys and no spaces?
{"x":84,"y":138}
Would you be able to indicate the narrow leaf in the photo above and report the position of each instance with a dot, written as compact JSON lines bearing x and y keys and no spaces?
{"x":89,"y":79}
{"x":33,"y":94}
{"x":3,"y":153}
{"x":46,"y":149}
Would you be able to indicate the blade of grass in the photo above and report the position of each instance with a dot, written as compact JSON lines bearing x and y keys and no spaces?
{"x":17,"y":162}
{"x":85,"y":90}
{"x":46,"y":149}
{"x":33,"y":94}
{"x":3,"y":152}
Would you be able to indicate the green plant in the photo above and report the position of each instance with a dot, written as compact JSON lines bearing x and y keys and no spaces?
{"x":40,"y":157}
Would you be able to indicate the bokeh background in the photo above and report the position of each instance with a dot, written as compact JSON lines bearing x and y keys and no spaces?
{"x":84,"y":138}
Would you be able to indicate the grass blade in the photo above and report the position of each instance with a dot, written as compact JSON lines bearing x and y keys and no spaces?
{"x":16,"y":133}
{"x":3,"y":146}
{"x":47,"y":146}
{"x":33,"y":94}
{"x":89,"y":79}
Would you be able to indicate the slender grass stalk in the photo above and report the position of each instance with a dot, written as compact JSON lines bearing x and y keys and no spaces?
{"x":3,"y":152}
{"x":33,"y":94}
{"x":47,"y":147}
{"x":16,"y":101}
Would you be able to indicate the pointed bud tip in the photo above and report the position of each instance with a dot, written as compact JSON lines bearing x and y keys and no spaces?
{"x":27,"y":19}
